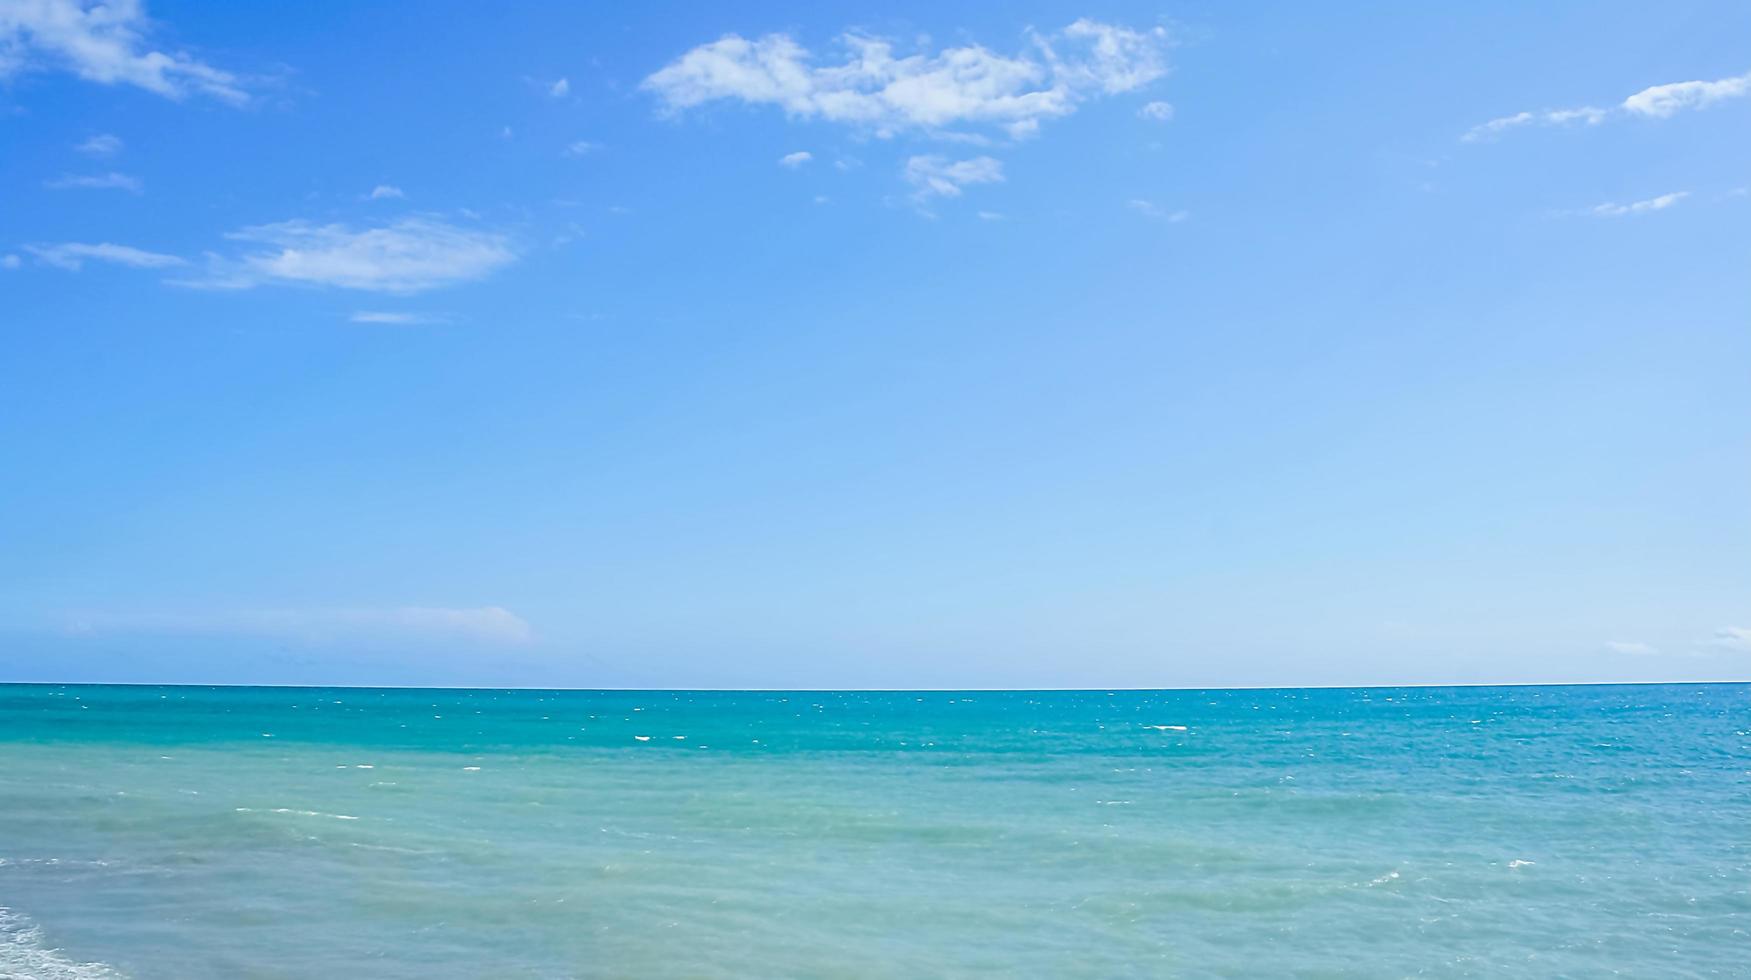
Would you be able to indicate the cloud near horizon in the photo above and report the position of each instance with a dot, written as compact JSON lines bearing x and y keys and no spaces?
{"x":1654,"y":102}
{"x":874,"y":90}
{"x":1733,"y":638}
{"x":104,"y":42}
{"x":494,"y":625}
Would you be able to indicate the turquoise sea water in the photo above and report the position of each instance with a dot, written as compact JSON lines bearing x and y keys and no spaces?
{"x":243,"y":832}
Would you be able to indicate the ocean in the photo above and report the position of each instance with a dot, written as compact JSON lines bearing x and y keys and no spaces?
{"x":191,"y":832}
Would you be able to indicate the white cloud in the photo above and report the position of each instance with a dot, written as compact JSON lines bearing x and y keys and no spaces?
{"x":1655,"y":102}
{"x":1630,"y":647}
{"x":9,"y":261}
{"x":874,"y":90}
{"x":385,"y":192}
{"x":578,"y":148}
{"x":1733,"y":638}
{"x":794,"y":160}
{"x":72,"y":256}
{"x":101,"y":145}
{"x":936,"y":176}
{"x":560,"y":89}
{"x":1662,"y":101}
{"x":407,"y":256}
{"x":990,"y":216}
{"x":1114,"y":59}
{"x":96,"y":182}
{"x":483,"y":624}
{"x":393,"y":318}
{"x":103,"y":41}
{"x":1157,"y":111}
{"x":1150,"y":209}
{"x":1614,"y":210}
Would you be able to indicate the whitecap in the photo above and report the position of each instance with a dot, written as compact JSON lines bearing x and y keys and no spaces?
{"x":1517,"y":863}
{"x":301,"y":813}
{"x":642,"y":738}
{"x":23,"y":954}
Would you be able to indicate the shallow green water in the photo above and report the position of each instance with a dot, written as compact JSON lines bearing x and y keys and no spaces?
{"x":203,"y":832}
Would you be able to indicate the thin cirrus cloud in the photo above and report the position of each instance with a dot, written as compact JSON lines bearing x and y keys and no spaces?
{"x":937,"y":176}
{"x":386,"y":192}
{"x":72,"y":256}
{"x":106,"y":43}
{"x":101,"y":145}
{"x":1654,"y":102}
{"x":96,"y":182}
{"x":874,"y":90}
{"x":795,"y":160}
{"x":1611,"y":209}
{"x":395,"y":317}
{"x":1157,"y":111}
{"x":407,"y":256}
{"x":480,"y":624}
{"x":1149,"y":209}
{"x":1631,"y":648}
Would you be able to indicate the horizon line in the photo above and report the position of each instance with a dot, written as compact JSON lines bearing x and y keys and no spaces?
{"x":877,"y":690}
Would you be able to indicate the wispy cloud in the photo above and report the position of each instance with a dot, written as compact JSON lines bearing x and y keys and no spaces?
{"x":579,"y":148}
{"x":10,"y":261}
{"x":101,"y":145}
{"x":1157,"y":111}
{"x":395,"y":318}
{"x":408,"y":256}
{"x":107,"y":43}
{"x":481,"y":624}
{"x":875,"y":90}
{"x":795,"y":160}
{"x":383,"y":192}
{"x":935,"y":176}
{"x":1611,"y":209}
{"x":72,"y":256}
{"x":560,"y":89}
{"x":1149,"y":209}
{"x":1655,"y":102}
{"x":96,"y":182}
{"x":1631,"y":648}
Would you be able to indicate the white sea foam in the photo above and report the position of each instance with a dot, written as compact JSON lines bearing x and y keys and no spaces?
{"x":1167,"y":728}
{"x":24,"y":955}
{"x":642,"y":738}
{"x":1517,"y":863}
{"x":301,"y":813}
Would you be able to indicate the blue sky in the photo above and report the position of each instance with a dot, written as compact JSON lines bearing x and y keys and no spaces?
{"x":805,"y":346}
